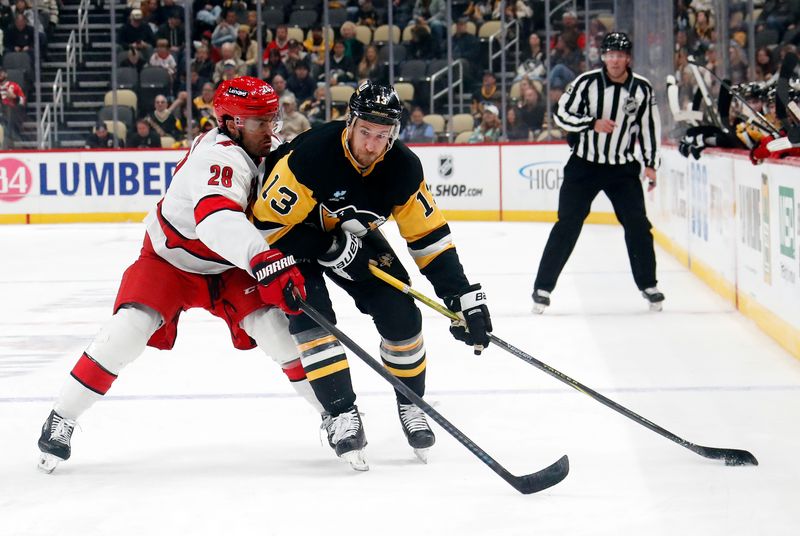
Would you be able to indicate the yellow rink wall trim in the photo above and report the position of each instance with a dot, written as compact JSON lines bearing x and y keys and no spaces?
{"x":89,"y":217}
{"x":781,"y":331}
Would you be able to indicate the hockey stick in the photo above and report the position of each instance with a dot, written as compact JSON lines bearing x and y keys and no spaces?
{"x":763,"y":123}
{"x":730,"y":456}
{"x":531,"y":483}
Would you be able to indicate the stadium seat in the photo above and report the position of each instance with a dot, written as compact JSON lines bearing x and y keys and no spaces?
{"x":463,"y":137}
{"x":463,"y":123}
{"x":407,"y":34}
{"x":18,"y":60}
{"x":471,"y":28}
{"x":167,"y":142}
{"x":306,"y":4}
{"x":118,"y":129}
{"x":514,"y":92}
{"x":125,"y":97}
{"x":766,"y":38}
{"x":488,"y":28}
{"x":295,"y":33}
{"x":399,"y":51}
{"x":341,"y":94}
{"x":381,"y":35}
{"x":273,"y":17}
{"x":303,"y":18}
{"x":413,"y":71}
{"x":152,"y":81}
{"x":405,"y":91}
{"x":127,"y":78}
{"x":364,"y":34}
{"x":337,"y":17}
{"x":125,"y":114}
{"x":437,"y":122}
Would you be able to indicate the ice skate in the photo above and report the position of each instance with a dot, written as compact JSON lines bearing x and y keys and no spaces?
{"x":415,"y":426}
{"x":55,"y":441}
{"x":346,"y":437}
{"x":541,"y":300}
{"x":654,"y":297}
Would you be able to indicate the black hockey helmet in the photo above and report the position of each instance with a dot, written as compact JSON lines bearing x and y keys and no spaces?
{"x":616,"y":41}
{"x":376,"y":103}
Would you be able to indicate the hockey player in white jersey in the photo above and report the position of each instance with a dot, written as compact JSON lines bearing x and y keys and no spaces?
{"x":199,"y":250}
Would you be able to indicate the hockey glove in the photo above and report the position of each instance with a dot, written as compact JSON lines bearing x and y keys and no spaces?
{"x":278,"y":277}
{"x":474,"y":324}
{"x":760,"y":152}
{"x":348,"y":257}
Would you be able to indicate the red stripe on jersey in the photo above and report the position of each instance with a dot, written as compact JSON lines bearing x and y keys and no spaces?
{"x":92,"y":375}
{"x":214,"y":203}
{"x":226,"y":143}
{"x":294,"y":371}
{"x":177,"y":240}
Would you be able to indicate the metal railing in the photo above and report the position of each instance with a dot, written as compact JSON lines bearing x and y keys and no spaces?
{"x":46,"y":128}
{"x":58,"y":97}
{"x":72,"y":65}
{"x":497,"y":39}
{"x":83,"y":27}
{"x":456,"y":82}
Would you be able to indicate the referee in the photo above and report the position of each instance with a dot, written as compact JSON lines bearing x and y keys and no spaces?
{"x":605,"y":111}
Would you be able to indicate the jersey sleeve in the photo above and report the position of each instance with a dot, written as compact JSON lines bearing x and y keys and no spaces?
{"x":281,"y":212}
{"x":650,"y":133}
{"x":430,"y":243}
{"x":571,"y":113}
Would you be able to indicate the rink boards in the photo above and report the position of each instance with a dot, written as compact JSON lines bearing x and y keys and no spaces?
{"x":733,"y":224}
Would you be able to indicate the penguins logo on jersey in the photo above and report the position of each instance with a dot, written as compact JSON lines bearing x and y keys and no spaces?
{"x":351,"y":219}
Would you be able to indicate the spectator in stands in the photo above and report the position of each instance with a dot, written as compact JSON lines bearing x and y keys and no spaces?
{"x":738,"y":64}
{"x":228,"y":52}
{"x":281,"y":42}
{"x":297,"y":54}
{"x":367,"y":15}
{"x":343,"y":70}
{"x":570,"y":33}
{"x":174,"y":33}
{"x":163,"y":121}
{"x":422,"y":45}
{"x":13,"y":102}
{"x":779,"y":14}
{"x":565,"y":64}
{"x":300,"y":82}
{"x":532,"y":65}
{"x":162,"y":58}
{"x":417,"y":130}
{"x":203,"y":104}
{"x":143,"y":137}
{"x":531,"y":109}
{"x":516,"y":130}
{"x":314,"y":43}
{"x":133,"y":58}
{"x":488,"y":92}
{"x":279,"y":85}
{"x":148,"y":7}
{"x":101,"y":138}
{"x":252,"y":24}
{"x":276,"y":66}
{"x":229,"y":71}
{"x":765,"y":64}
{"x":479,"y":11}
{"x":467,"y":47}
{"x":369,"y":68}
{"x":246,"y":48}
{"x":700,"y":35}
{"x":294,"y":122}
{"x":401,"y":12}
{"x":490,"y":128}
{"x":19,"y":37}
{"x":353,"y":48}
{"x":136,"y":32}
{"x":433,"y":13}
{"x":206,"y":17}
{"x":202,"y":63}
{"x":22,"y":7}
{"x":227,"y":30}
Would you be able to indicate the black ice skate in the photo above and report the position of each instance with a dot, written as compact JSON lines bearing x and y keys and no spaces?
{"x":654,"y":297}
{"x":346,"y":437}
{"x":415,"y":425}
{"x":541,"y":300}
{"x":54,"y":441}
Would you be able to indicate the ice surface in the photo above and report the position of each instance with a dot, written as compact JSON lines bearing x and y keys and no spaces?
{"x":209,"y":440}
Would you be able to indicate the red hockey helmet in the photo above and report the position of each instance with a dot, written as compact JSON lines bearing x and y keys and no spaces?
{"x":244,"y":97}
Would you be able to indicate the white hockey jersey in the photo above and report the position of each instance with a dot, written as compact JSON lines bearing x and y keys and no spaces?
{"x":200,"y":224}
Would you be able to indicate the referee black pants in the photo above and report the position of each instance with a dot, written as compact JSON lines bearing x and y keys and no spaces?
{"x":582,"y":182}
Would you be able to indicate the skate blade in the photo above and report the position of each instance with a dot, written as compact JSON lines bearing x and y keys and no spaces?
{"x":48,"y":462}
{"x":538,"y":308}
{"x":422,"y":454}
{"x":356,"y":459}
{"x":657,"y":307}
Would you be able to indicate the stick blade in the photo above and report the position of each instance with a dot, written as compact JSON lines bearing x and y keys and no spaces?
{"x":547,"y":477}
{"x":732,"y":457}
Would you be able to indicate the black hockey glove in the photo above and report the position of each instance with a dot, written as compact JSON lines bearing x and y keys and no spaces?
{"x":474,"y":324}
{"x":348,"y":257}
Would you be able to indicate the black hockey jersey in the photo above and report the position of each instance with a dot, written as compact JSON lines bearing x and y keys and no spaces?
{"x":313,"y":184}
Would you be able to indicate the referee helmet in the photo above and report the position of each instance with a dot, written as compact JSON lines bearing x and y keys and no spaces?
{"x":616,"y":41}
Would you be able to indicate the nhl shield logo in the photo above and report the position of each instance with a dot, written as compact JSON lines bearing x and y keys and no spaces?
{"x":445,"y":166}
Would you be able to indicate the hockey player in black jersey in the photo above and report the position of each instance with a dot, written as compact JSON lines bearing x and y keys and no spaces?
{"x":323,"y":199}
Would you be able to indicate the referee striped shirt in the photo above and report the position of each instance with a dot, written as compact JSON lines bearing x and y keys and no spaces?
{"x":631,"y":104}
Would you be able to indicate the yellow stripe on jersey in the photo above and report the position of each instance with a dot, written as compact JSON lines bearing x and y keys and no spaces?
{"x":424,"y":261}
{"x":419,"y":215}
{"x":410,"y":373}
{"x":282,"y":200}
{"x":327,"y":370}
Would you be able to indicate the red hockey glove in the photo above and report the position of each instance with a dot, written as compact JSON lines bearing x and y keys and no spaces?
{"x":760,"y":151}
{"x":277,"y":277}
